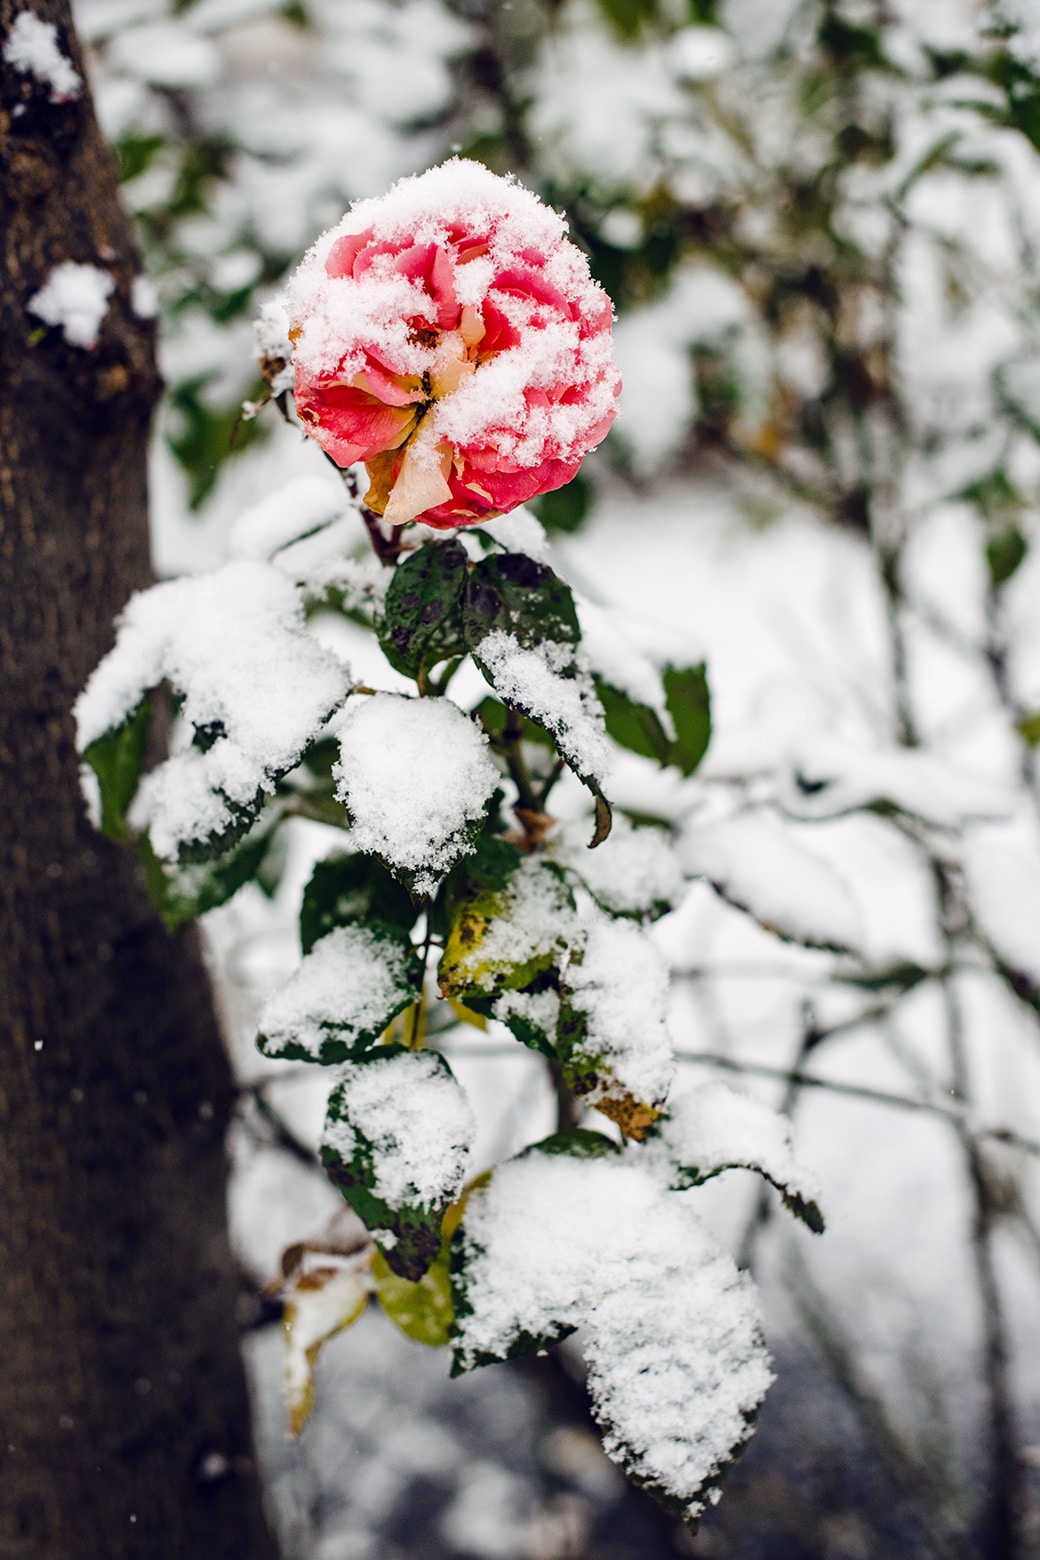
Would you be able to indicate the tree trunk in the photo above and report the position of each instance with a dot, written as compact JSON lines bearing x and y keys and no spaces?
{"x":124,"y":1421}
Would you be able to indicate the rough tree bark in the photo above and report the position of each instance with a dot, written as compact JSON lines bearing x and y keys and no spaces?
{"x":124,"y":1426}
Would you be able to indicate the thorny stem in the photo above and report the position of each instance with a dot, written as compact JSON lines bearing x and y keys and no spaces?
{"x":387,"y":549}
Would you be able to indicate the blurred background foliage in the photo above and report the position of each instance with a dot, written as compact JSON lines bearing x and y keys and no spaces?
{"x":757,"y":185}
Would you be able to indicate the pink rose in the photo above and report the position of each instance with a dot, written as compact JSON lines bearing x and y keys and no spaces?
{"x":450,"y":337}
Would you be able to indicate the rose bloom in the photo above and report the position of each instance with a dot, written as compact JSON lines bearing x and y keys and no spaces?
{"x":450,"y":337}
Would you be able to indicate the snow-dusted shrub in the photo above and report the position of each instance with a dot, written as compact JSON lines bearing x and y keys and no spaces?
{"x":458,"y":897}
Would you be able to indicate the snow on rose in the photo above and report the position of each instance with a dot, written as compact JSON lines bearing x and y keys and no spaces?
{"x":449,"y":336}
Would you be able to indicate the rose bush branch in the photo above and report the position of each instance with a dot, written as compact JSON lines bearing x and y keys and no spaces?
{"x":449,"y":340}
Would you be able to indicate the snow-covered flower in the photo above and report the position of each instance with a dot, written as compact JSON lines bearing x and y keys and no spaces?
{"x":450,"y":336}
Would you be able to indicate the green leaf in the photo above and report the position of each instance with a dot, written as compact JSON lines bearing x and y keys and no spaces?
{"x":666,"y":1319}
{"x":423,"y":1310}
{"x":376,"y":1129}
{"x":511,"y":592}
{"x":633,"y":726}
{"x":422,"y":615}
{"x":689,"y":705}
{"x":565,"y":508}
{"x":580,"y":1143}
{"x":1028,"y":728}
{"x":116,"y":759}
{"x":1005,"y":551}
{"x":638,"y":728}
{"x":135,"y":153}
{"x":348,"y":988}
{"x":350,"y":888}
{"x":181,"y":893}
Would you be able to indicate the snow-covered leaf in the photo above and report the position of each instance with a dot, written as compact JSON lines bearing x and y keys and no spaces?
{"x":510,"y":918}
{"x":347,"y":888}
{"x":422,"y":613}
{"x":347,"y":989}
{"x":181,"y":891}
{"x":397,"y":1136}
{"x":635,"y":872}
{"x":707,"y":1130}
{"x":612,"y":1041}
{"x":522,"y":629}
{"x":415,"y":777}
{"x":322,"y":1302}
{"x":670,"y":1329}
{"x":828,"y":778}
{"x":256,"y":689}
{"x":754,"y":861}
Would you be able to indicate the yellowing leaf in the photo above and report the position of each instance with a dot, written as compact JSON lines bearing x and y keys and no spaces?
{"x":423,"y":1310}
{"x":322,"y":1303}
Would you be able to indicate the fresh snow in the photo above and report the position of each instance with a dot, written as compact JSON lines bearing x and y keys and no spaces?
{"x":714,"y":1128}
{"x":635,"y":871}
{"x":74,"y":297}
{"x":32,"y":48}
{"x":756,"y":861}
{"x":828,"y":777}
{"x":300,"y":508}
{"x":544,"y":683}
{"x":349,"y":986}
{"x":1001,"y":865}
{"x":670,"y":1329}
{"x":408,"y":1113}
{"x":536,"y":920}
{"x":234,"y":644}
{"x":414,"y":775}
{"x":621,"y":988}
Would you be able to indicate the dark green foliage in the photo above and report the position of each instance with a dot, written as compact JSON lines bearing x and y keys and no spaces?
{"x":417,"y":1228}
{"x":180,"y":894}
{"x":1005,"y":551}
{"x":689,"y":705}
{"x":633,"y":726}
{"x":637,"y":727}
{"x":579,"y":1143}
{"x":565,"y":509}
{"x":116,"y":759}
{"x":422,"y":621}
{"x":135,"y":153}
{"x":512,"y":592}
{"x":343,"y":889}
